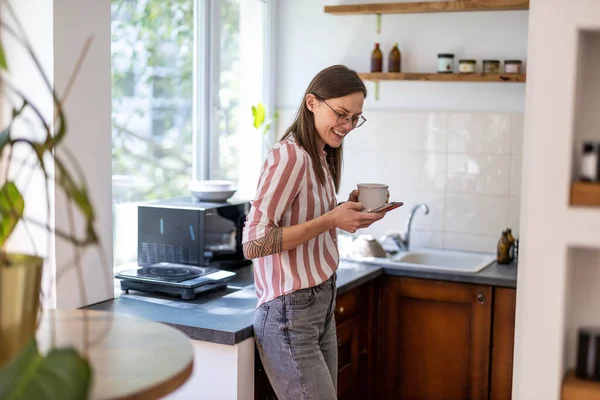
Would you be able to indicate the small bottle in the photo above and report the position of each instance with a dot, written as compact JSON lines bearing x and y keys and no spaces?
{"x":377,"y":59}
{"x":589,"y":163}
{"x":503,"y":256}
{"x":395,"y":59}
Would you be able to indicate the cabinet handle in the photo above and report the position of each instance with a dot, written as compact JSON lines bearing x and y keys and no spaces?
{"x":481,"y":298}
{"x":341,"y":310}
{"x":339,"y":342}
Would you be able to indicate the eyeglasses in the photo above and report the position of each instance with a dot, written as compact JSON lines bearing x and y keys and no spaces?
{"x":355,"y":121}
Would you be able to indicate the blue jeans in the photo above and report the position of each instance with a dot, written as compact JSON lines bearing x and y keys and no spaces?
{"x":297,"y":343}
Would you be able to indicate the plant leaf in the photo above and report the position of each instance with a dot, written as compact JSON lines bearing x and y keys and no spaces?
{"x":267,"y":127}
{"x":258,"y":113}
{"x":78,"y":194}
{"x":4,"y":138}
{"x":62,"y":374}
{"x":3,"y":64}
{"x":11,"y":209}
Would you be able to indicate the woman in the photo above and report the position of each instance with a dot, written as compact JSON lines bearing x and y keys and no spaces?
{"x":291,"y":231}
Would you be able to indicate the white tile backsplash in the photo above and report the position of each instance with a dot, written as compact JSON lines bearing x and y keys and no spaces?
{"x":515,"y":175}
{"x":477,"y":173}
{"x":424,"y":238}
{"x":514,"y":214}
{"x":480,"y":133}
{"x":469,"y":242}
{"x":477,"y":214}
{"x":517,"y":141}
{"x":465,"y":166}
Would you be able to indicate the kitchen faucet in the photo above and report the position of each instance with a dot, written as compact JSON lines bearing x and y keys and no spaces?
{"x":403,"y":241}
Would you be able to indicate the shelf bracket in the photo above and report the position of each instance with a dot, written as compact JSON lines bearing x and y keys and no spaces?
{"x":376,"y":90}
{"x":378,"y":22}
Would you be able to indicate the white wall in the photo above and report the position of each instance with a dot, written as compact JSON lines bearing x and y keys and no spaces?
{"x":455,"y":146}
{"x":58,"y":31}
{"x":556,"y":284}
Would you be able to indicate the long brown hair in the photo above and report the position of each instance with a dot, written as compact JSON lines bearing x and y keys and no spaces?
{"x":332,"y":82}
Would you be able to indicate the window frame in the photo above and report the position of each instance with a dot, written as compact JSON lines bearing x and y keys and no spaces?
{"x":206,"y":80}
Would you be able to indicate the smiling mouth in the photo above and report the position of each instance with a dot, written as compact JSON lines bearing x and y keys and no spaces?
{"x":339,"y":134}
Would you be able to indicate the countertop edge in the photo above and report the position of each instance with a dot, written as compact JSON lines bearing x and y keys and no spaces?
{"x":354,"y":274}
{"x":375,"y":273}
{"x":453,"y":277}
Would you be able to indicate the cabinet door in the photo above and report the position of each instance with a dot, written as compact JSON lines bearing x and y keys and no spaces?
{"x":348,"y":359}
{"x":436,"y":340}
{"x":502,"y":343}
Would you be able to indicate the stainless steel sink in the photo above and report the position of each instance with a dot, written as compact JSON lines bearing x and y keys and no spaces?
{"x":433,"y":259}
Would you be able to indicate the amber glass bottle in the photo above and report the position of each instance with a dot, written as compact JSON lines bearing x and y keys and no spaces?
{"x":394,"y":60}
{"x":503,"y":251}
{"x":377,"y":59}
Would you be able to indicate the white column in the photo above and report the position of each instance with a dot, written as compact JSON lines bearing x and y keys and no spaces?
{"x":221,"y":372}
{"x":88,"y":111}
{"x":58,"y":30}
{"x":548,"y":291}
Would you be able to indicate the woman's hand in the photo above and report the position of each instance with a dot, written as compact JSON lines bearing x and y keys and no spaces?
{"x":353,"y":197}
{"x":349,"y":217}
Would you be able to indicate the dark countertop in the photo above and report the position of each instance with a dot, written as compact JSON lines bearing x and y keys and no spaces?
{"x":225,"y":316}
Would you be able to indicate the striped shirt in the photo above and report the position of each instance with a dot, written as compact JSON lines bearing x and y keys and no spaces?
{"x":289,"y":193}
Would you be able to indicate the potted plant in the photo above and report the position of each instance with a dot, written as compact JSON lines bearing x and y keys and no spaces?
{"x":24,"y":372}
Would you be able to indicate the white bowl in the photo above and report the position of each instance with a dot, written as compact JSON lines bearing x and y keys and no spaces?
{"x":210,"y":186}
{"x":213,"y":195}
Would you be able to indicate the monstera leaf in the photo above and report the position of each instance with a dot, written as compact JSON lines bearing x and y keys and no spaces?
{"x":61,"y":375}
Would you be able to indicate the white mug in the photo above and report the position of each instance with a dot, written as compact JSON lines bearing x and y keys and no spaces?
{"x":372,"y":195}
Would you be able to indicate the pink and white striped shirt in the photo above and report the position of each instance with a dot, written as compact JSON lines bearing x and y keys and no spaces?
{"x":289,"y":193}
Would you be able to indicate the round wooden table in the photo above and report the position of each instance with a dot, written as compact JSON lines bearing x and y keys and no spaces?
{"x":131,"y":358}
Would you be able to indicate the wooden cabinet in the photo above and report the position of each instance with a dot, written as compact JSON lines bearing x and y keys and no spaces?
{"x":502,"y":343}
{"x":355,"y":316}
{"x":436,"y":339}
{"x":413,"y":339}
{"x":445,"y":340}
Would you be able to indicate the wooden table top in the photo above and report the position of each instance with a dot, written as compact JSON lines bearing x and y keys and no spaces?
{"x":131,"y":358}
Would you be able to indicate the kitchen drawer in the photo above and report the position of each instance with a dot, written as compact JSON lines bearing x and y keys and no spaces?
{"x":346,"y":306}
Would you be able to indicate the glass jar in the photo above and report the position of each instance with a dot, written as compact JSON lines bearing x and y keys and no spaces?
{"x":491,"y":66}
{"x":445,"y":63}
{"x":467,"y":66}
{"x":512,"y":66}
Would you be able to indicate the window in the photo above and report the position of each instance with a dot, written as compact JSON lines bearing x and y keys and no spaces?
{"x":185,"y":74}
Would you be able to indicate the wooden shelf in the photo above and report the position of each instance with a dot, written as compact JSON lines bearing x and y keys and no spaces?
{"x":585,"y":194}
{"x":574,"y":388}
{"x":428,"y":7}
{"x":434,"y":77}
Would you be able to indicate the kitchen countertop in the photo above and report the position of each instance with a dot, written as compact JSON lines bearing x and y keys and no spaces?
{"x":225,"y":316}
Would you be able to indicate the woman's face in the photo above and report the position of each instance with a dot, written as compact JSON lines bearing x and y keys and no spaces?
{"x":335,"y":118}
